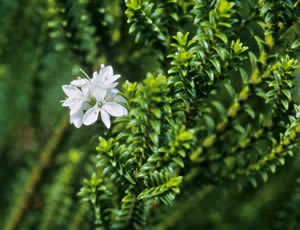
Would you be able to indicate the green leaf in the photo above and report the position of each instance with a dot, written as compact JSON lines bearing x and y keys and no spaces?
{"x":253,"y":60}
{"x":296,"y":44}
{"x":155,"y":124}
{"x":253,"y":182}
{"x":222,"y":52}
{"x":220,"y":108}
{"x":130,"y":197}
{"x":264,"y":176}
{"x":156,"y":112}
{"x":223,"y":37}
{"x":281,"y":161}
{"x":154,"y":138}
{"x":129,"y":178}
{"x":285,"y":104}
{"x":227,"y":25}
{"x":244,"y":75}
{"x":132,"y":28}
{"x":229,"y":89}
{"x":272,"y":168}
{"x":216,"y":64}
{"x":249,"y":110}
{"x":179,"y":161}
{"x":287,"y":93}
{"x":210,"y":123}
{"x":210,"y":74}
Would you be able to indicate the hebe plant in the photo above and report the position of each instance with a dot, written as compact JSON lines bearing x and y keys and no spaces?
{"x":222,"y":112}
{"x":211,"y":138}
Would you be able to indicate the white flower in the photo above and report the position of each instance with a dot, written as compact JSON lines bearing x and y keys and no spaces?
{"x":88,"y":97}
{"x":106,"y":106}
{"x":82,"y":83}
{"x":76,"y":98}
{"x":105,"y":78}
{"x":77,"y":102}
{"x":77,"y":118}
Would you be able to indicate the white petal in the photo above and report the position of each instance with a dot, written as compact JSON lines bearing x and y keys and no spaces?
{"x":76,"y":119}
{"x":111,"y":79}
{"x":125,"y":111}
{"x":75,"y":106}
{"x":84,"y":84}
{"x":98,"y":92}
{"x":102,"y":66}
{"x":111,"y":93}
{"x":105,"y":118}
{"x":95,"y":75}
{"x":69,"y":101}
{"x":85,"y":106}
{"x":298,"y":115}
{"x":114,"y":109}
{"x":106,"y":73}
{"x":114,"y":91}
{"x":80,"y":82}
{"x":119,"y":98}
{"x":113,"y":85}
{"x":91,"y":115}
{"x":71,"y":91}
{"x":85,"y":90}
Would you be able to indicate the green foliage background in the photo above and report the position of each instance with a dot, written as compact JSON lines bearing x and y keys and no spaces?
{"x":211,"y":140}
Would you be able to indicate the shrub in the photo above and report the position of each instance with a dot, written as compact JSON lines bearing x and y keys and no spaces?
{"x":214,"y":116}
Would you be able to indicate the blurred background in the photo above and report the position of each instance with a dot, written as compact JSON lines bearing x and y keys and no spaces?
{"x":43,"y":159}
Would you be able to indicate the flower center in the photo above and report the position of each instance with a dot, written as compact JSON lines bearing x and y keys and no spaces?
{"x":108,"y":98}
{"x":92,"y":100}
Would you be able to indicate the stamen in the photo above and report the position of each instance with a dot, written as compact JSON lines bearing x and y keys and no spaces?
{"x":108,"y":98}
{"x":85,"y":73}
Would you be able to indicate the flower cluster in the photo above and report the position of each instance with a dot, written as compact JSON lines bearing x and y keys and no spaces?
{"x":88,"y":97}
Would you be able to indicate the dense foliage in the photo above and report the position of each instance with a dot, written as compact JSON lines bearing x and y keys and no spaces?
{"x":211,"y":140}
